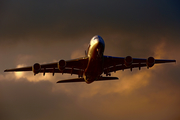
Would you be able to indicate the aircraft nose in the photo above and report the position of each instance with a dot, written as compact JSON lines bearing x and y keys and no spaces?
{"x":100,"y":45}
{"x":97,"y":41}
{"x":101,"y":41}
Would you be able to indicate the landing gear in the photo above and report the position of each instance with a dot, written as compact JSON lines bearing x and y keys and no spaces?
{"x":108,"y":74}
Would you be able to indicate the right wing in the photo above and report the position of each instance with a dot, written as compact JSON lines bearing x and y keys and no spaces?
{"x":112,"y":64}
{"x":74,"y":66}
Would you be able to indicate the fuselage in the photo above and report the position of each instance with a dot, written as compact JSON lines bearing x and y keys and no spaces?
{"x":95,"y":64}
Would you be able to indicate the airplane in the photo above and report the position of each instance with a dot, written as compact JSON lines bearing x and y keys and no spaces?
{"x":91,"y":67}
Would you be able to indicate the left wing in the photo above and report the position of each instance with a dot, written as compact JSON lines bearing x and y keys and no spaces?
{"x":75,"y":66}
{"x":120,"y":63}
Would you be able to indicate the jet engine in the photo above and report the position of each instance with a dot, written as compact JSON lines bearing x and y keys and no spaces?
{"x":36,"y":68}
{"x":128,"y":61}
{"x":150,"y":62}
{"x":61,"y":65}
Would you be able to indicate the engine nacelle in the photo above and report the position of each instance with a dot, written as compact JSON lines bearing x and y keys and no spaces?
{"x":36,"y":68}
{"x":128,"y":61}
{"x":61,"y":65}
{"x":150,"y":62}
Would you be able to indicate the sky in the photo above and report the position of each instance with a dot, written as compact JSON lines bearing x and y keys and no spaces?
{"x":33,"y":31}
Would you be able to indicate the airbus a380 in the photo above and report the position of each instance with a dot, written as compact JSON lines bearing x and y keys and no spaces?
{"x":91,"y":67}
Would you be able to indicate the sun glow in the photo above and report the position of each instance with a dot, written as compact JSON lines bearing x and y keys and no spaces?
{"x":19,"y":74}
{"x":30,"y":75}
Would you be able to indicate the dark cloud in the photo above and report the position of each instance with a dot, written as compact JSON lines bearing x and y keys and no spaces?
{"x":57,"y":19}
{"x":36,"y":31}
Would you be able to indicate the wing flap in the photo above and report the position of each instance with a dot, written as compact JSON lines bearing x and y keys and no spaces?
{"x":122,"y":67}
{"x":117,"y":63}
{"x":70,"y":71}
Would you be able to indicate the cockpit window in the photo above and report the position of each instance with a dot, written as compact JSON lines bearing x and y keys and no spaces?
{"x":95,"y":38}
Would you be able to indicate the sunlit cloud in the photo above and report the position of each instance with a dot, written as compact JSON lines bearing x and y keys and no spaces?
{"x":159,"y":50}
{"x":132,"y":81}
{"x":29,"y":75}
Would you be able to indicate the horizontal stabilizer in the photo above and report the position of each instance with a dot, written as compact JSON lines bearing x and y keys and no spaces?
{"x":107,"y":78}
{"x":82,"y":79}
{"x":71,"y":80}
